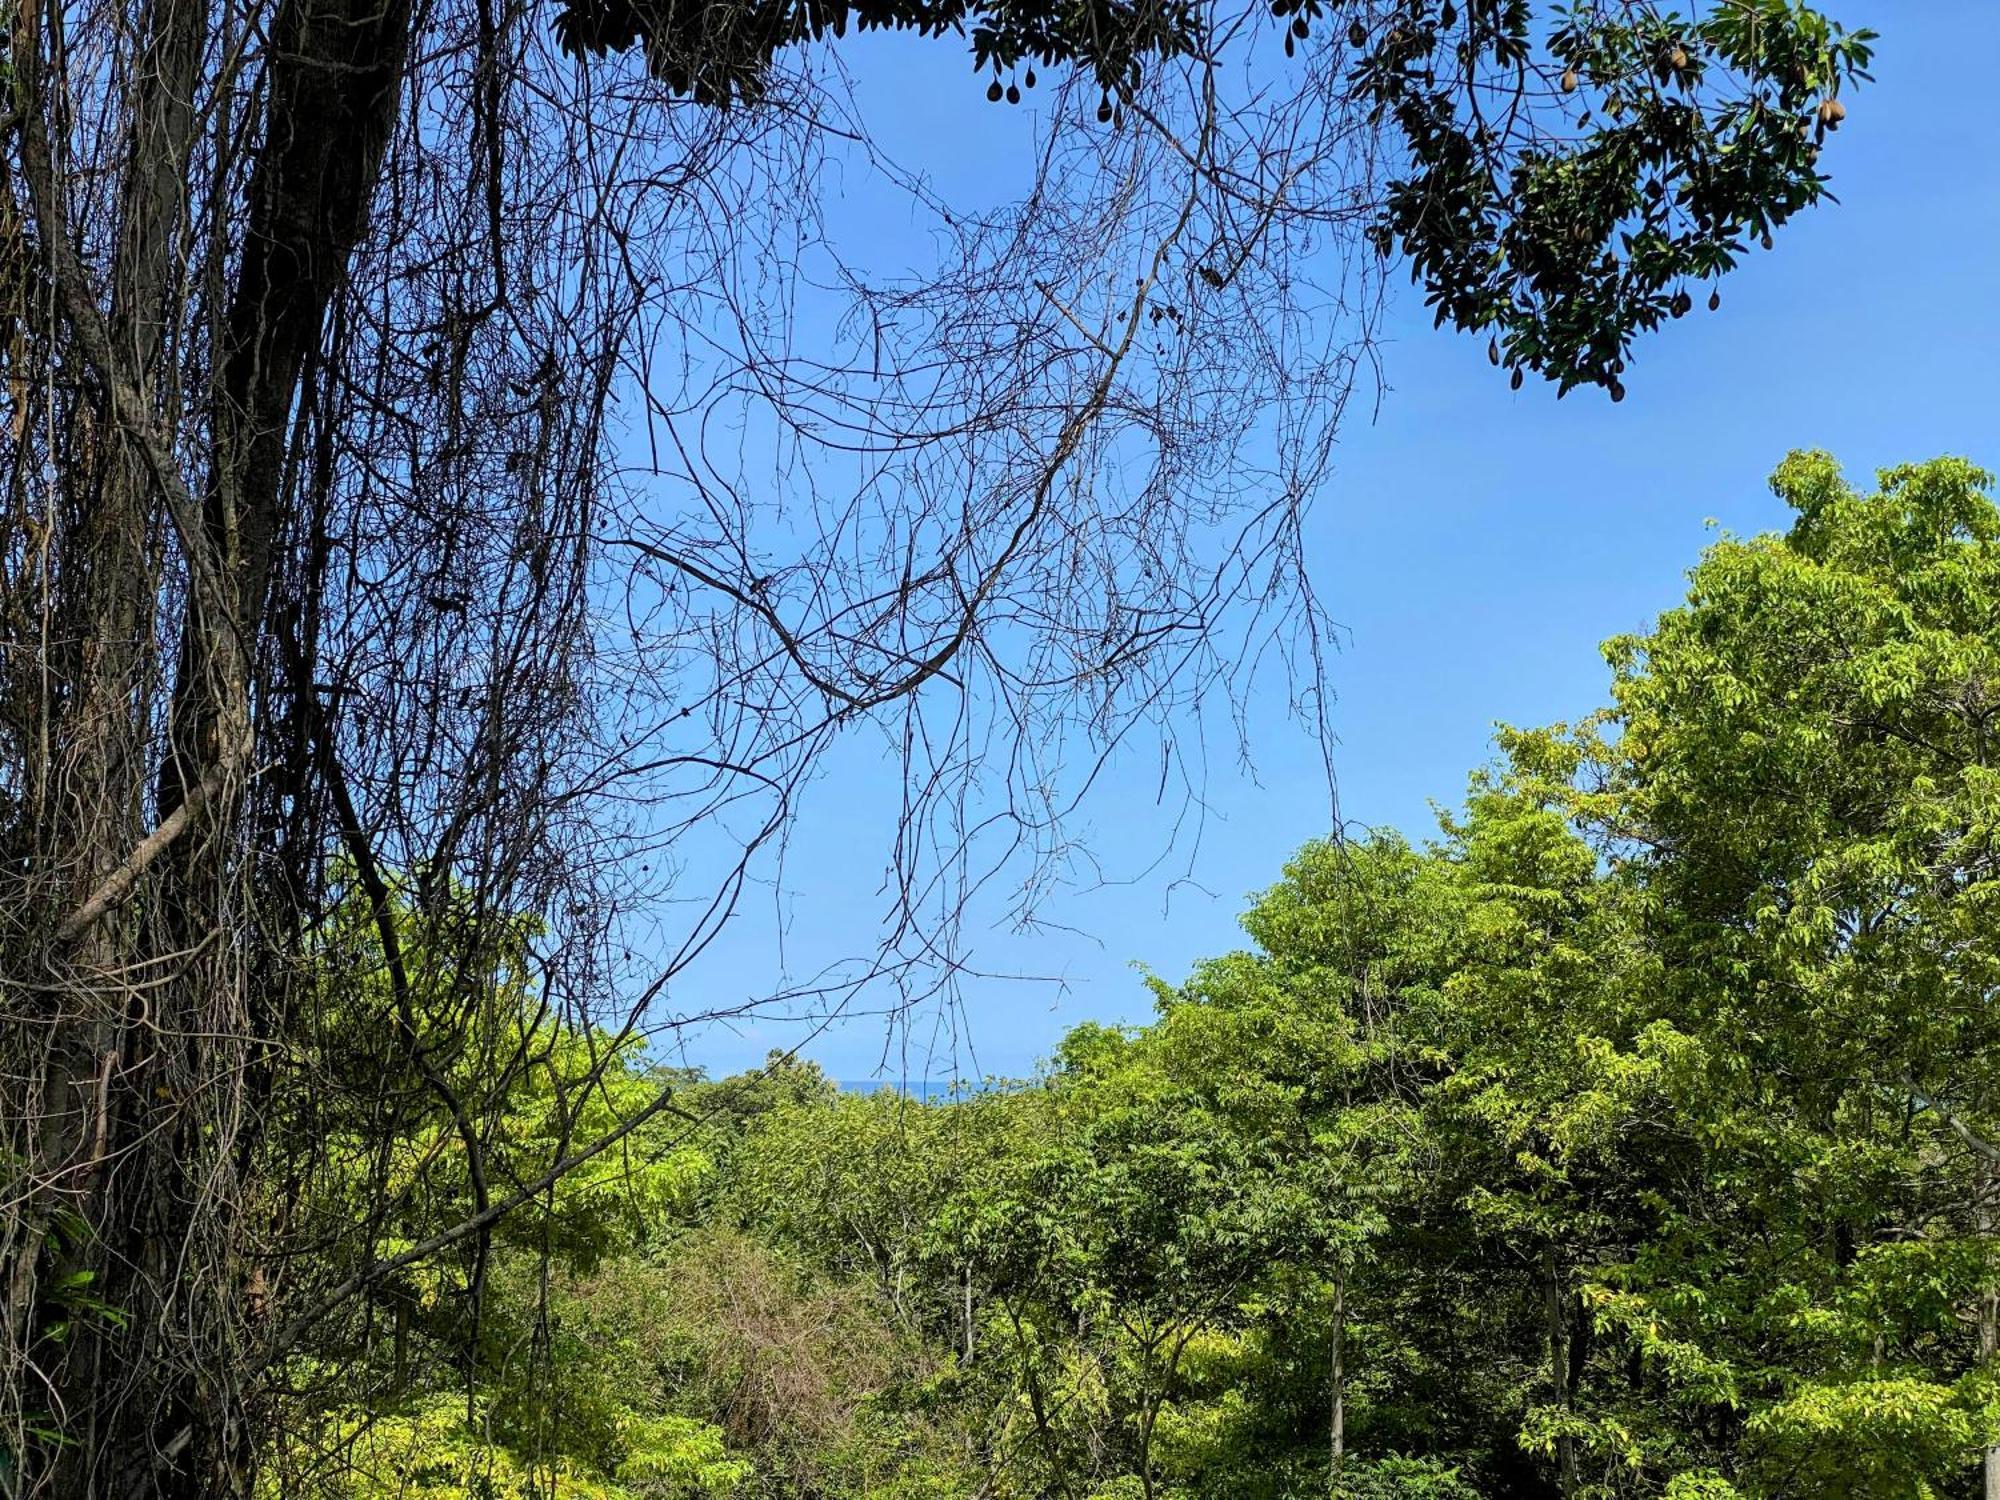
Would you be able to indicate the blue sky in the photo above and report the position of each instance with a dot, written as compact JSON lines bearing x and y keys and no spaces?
{"x":1477,"y":544}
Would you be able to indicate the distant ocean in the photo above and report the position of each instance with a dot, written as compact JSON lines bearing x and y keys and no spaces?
{"x":925,"y":1089}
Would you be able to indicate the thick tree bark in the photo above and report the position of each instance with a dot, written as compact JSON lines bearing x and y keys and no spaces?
{"x":87,"y":847}
{"x":332,"y":96}
{"x":144,"y":1122}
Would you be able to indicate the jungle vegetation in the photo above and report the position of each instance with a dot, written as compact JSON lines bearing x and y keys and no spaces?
{"x":461,"y":490}
{"x":1634,"y":1135}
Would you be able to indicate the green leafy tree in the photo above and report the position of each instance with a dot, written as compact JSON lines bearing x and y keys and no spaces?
{"x":1805,"y":758}
{"x":1632,"y":1139}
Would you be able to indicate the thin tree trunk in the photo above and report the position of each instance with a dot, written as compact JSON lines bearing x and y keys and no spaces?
{"x":1989,"y":1346}
{"x":1559,"y":1371}
{"x":968,"y":1314}
{"x":1989,"y":1315}
{"x":1338,"y":1422}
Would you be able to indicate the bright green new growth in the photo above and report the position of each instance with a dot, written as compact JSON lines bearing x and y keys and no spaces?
{"x":1634,"y":1138}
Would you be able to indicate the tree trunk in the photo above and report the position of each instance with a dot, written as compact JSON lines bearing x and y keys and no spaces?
{"x":1560,"y":1375}
{"x":1989,"y":1316}
{"x":92,"y":783}
{"x":1989,"y":1346}
{"x":1337,"y":1425}
{"x":141,"y":1121}
{"x":968,"y":1314}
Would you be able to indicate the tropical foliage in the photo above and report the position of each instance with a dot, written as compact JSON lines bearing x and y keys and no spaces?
{"x":1634,"y":1136}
